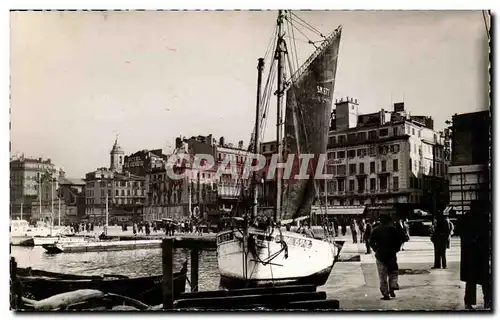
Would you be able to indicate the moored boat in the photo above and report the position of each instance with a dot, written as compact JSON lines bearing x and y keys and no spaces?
{"x":98,"y":246}
{"x":260,"y":252}
{"x":39,"y":284}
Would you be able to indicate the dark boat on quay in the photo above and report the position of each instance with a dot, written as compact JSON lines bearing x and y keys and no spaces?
{"x":39,"y":284}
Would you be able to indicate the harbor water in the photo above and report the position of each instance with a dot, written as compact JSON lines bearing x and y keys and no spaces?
{"x":131,"y":263}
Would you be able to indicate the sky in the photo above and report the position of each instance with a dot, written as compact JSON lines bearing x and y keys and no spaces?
{"x":78,"y":79}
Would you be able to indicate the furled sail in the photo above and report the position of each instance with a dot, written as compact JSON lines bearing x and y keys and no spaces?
{"x":307,"y":122}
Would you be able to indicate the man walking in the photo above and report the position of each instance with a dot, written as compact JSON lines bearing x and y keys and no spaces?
{"x":386,"y":242}
{"x":361,"y":226}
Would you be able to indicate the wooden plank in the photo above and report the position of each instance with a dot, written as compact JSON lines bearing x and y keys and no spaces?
{"x":168,"y":276}
{"x":248,"y":291}
{"x":273,"y":300}
{"x":195,"y":255}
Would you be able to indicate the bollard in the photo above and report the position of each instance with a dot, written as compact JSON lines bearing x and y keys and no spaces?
{"x":168,"y":277}
{"x":194,"y":269}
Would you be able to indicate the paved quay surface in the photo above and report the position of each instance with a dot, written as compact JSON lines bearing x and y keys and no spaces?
{"x":356,"y":284}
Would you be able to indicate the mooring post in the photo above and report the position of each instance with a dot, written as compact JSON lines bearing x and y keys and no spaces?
{"x":13,"y":284}
{"x":194,"y":269}
{"x":168,"y":276}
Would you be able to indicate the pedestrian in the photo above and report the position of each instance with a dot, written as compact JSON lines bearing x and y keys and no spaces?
{"x":354,"y":233}
{"x":439,"y":238}
{"x":134,"y":229}
{"x":362,"y":225}
{"x":386,"y":243}
{"x":148,"y":230}
{"x":368,"y":233}
{"x":475,"y":253}
{"x":344,"y":228}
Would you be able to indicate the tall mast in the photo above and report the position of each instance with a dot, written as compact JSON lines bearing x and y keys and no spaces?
{"x":256,"y":148}
{"x":279,"y":120}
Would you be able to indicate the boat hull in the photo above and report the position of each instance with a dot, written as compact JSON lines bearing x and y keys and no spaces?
{"x":38,"y":285}
{"x":100,"y":246}
{"x":305,"y":260}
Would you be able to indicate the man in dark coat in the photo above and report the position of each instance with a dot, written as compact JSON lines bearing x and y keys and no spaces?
{"x":386,"y":242}
{"x":475,"y":253}
{"x":366,"y":236}
{"x":439,"y":237}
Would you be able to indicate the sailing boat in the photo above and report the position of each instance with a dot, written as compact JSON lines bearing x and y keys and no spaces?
{"x":256,"y":255}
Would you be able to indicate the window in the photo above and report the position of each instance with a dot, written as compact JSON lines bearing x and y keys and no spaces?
{"x":109,"y":192}
{"x":373,"y":152}
{"x":383,"y":132}
{"x":373,"y":183}
{"x":123,"y":193}
{"x":410,"y":164}
{"x":396,"y":148}
{"x":372,"y":135}
{"x":341,"y":170}
{"x":341,"y":139}
{"x":383,"y":183}
{"x":383,"y":165}
{"x":341,"y":185}
{"x":383,"y":149}
{"x":352,"y":168}
{"x":361,"y":168}
{"x":331,"y":141}
{"x":395,"y":131}
{"x":361,"y":136}
{"x":395,"y":165}
{"x":372,"y":167}
{"x":351,"y":153}
{"x":341,"y":155}
{"x":351,"y":138}
{"x":351,"y":185}
{"x":413,"y":131}
{"x":361,"y":152}
{"x":128,"y":192}
{"x":361,"y":185}
{"x":331,"y":155}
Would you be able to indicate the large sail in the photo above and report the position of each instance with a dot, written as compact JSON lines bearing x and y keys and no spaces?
{"x":307,"y":122}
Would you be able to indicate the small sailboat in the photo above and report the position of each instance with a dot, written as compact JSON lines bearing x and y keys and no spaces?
{"x":258,"y":254}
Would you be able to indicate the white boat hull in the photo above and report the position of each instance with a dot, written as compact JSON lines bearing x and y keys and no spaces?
{"x":38,"y":241}
{"x":99,"y":246}
{"x":306,"y":260}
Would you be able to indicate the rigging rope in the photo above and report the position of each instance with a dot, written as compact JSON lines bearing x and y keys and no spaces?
{"x":294,"y":45}
{"x":306,"y":25}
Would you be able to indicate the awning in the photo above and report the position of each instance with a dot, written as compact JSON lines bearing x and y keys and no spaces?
{"x":336,"y":210}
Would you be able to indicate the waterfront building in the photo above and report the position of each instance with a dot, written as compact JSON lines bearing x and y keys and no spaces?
{"x":125,"y":192}
{"x":140,"y":162}
{"x":71,"y":202}
{"x":387,"y":161}
{"x":33,"y":187}
{"x":470,"y":155}
{"x":200,"y":192}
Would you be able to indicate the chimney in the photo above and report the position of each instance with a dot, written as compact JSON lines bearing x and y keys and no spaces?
{"x":240,"y":144}
{"x":209,"y":139}
{"x":221,"y":141}
{"x":382,"y":117}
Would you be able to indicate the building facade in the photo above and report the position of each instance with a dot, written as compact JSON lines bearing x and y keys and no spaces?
{"x":71,"y":195}
{"x":200,"y":192}
{"x":123,"y":192}
{"x":470,"y":156}
{"x":33,"y":187}
{"x":387,"y":161}
{"x":143,"y":161}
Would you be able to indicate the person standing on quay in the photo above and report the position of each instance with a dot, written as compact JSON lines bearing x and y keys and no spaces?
{"x":475,"y":254}
{"x":439,"y":237}
{"x":362,"y":230}
{"x":354,"y":232}
{"x":386,"y":242}
{"x":366,"y":237}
